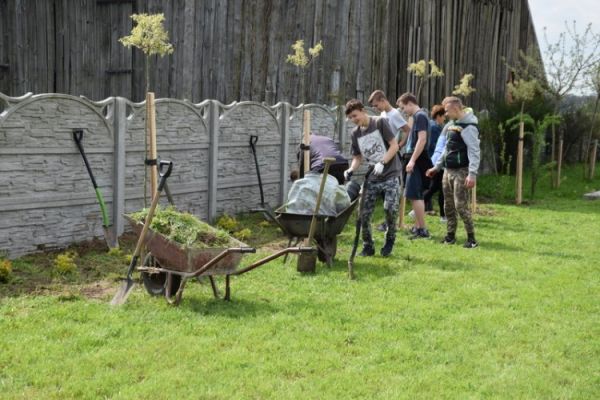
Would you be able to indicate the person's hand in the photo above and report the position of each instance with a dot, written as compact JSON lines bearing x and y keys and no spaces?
{"x":348,"y":174}
{"x":410,"y":166}
{"x":430,"y":172}
{"x":378,"y":169}
{"x":470,"y":182}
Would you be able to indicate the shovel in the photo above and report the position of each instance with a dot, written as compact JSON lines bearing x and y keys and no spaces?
{"x":109,"y":234}
{"x":125,"y":289}
{"x":307,"y":261}
{"x":359,"y":218}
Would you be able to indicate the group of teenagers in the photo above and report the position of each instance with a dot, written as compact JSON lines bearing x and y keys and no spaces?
{"x":421,"y":156}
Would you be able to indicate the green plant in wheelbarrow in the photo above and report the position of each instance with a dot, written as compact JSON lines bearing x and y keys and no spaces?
{"x":184,"y":229}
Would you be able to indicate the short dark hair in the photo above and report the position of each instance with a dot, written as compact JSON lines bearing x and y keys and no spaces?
{"x":354,"y":104}
{"x":378,"y":95}
{"x":437,"y":110}
{"x":407,"y":98}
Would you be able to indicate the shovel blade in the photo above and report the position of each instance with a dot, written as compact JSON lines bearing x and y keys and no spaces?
{"x":110,"y":238}
{"x":123,"y":292}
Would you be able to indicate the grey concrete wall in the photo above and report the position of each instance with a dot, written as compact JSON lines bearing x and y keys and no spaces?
{"x":47,"y":199}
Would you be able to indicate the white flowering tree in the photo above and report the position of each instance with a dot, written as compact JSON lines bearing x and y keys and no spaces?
{"x":423,"y":72}
{"x":150,"y":36}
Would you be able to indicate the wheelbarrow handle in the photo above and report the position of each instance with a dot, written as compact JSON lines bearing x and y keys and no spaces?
{"x":242,"y":250}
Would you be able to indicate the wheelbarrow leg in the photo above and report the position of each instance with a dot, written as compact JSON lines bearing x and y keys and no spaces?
{"x":214,"y":286}
{"x":176,"y":299}
{"x":290,"y":245}
{"x":227,"y":288}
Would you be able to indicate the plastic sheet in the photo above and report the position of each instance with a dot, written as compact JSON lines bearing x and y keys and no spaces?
{"x":302,"y":197}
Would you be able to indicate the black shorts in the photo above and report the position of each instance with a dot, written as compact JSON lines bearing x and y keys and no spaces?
{"x":414,"y":184}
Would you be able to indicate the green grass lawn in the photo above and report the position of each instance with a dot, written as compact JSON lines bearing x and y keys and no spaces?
{"x":518,"y":317}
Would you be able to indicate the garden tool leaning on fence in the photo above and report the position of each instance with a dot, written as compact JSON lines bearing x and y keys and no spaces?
{"x":125,"y":289}
{"x":264,"y":208}
{"x":109,"y":234}
{"x":359,"y":218}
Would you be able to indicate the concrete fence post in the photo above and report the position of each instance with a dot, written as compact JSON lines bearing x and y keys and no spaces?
{"x":119,"y":131}
{"x":213,"y":133}
{"x":283,"y":116}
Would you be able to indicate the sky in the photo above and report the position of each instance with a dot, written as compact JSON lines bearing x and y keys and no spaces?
{"x":553,"y":14}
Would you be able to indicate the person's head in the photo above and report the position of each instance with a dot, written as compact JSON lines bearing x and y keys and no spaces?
{"x":453,"y":107}
{"x":379,"y":101}
{"x":294,"y":175}
{"x":438,"y":113}
{"x":408,"y":103}
{"x":355,"y":111}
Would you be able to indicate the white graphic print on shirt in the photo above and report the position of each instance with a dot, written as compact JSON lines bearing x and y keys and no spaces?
{"x":372,"y":147}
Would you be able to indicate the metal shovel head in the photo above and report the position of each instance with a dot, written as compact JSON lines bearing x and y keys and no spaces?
{"x":110,"y":237}
{"x":123,"y":292}
{"x":307,"y":262}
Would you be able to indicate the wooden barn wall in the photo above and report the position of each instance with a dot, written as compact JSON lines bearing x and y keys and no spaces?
{"x":233,"y":50}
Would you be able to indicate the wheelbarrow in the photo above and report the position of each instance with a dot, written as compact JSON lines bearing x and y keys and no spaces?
{"x":297,"y":227}
{"x":168,"y":266}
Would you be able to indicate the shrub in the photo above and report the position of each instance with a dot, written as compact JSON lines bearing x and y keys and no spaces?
{"x":64,"y":264}
{"x":5,"y":270}
{"x":227,"y":223}
{"x":243,"y":234}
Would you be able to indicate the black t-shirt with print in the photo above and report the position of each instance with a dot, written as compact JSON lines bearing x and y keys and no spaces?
{"x":372,"y":144}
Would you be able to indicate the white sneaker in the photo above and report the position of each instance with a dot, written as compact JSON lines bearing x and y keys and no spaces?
{"x":411,"y":214}
{"x":443,"y":220}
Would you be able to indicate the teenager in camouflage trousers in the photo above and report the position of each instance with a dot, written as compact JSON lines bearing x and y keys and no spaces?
{"x":460,"y":160}
{"x":374,"y":142}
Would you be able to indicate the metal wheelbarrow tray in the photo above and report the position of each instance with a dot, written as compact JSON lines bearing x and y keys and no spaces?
{"x":169,"y":265}
{"x":328,"y":227}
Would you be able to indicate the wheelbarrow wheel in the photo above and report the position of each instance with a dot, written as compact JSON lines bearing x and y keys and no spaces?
{"x":156,"y":283}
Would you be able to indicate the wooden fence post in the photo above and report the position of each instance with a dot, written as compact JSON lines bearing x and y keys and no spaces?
{"x":593,"y":160}
{"x":519,"y":194}
{"x":559,"y":161}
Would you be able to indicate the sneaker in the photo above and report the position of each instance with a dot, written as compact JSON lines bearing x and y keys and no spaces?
{"x":443,"y":220}
{"x":411,"y":214}
{"x":382,"y":227}
{"x":367,"y":251}
{"x":386,"y":250}
{"x":421,"y":233}
{"x":449,"y":239}
{"x":412,"y":231}
{"x":470,"y":244}
{"x":430,"y":212}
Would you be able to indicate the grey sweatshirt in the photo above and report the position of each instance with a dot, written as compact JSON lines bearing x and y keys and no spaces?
{"x":470,"y":136}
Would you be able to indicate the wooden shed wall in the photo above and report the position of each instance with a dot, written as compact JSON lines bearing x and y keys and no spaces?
{"x":233,"y":50}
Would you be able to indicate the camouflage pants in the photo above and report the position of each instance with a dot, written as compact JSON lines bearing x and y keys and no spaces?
{"x":389,"y":188}
{"x":456,"y":199}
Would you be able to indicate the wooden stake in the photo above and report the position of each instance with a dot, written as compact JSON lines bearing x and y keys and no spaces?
{"x":151,"y":129}
{"x":519,"y":194}
{"x":306,"y":140}
{"x":559,"y":161}
{"x":552,"y":173}
{"x":402,"y":210}
{"x":593,"y":160}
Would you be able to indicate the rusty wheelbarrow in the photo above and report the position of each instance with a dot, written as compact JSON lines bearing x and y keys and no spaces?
{"x":168,"y":266}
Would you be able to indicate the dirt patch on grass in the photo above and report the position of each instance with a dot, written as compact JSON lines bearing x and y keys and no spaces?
{"x":98,"y":290}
